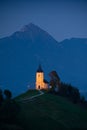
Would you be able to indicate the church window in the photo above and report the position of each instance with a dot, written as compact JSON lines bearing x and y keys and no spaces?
{"x":39,"y":75}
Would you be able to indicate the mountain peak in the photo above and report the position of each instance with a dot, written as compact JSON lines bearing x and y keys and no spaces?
{"x":28,"y":27}
{"x":33,"y":32}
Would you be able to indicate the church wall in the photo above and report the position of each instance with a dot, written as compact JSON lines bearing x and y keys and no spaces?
{"x":40,"y":84}
{"x":39,"y":80}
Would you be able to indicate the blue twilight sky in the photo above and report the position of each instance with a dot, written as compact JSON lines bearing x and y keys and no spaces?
{"x":60,"y":18}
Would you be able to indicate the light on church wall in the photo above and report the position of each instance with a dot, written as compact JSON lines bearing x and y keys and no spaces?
{"x":40,"y":84}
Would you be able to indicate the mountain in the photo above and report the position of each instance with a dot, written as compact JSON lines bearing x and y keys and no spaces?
{"x":21,"y":53}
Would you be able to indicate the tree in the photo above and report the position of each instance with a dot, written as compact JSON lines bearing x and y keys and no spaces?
{"x":70,"y":92}
{"x":1,"y":97}
{"x":9,"y":108}
{"x":8,"y":94}
{"x":54,"y":80}
{"x":76,"y":95}
{"x":63,"y":89}
{"x":82,"y":99}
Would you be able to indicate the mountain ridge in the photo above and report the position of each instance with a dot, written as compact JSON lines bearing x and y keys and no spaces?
{"x":32,"y":32}
{"x":20,"y":55}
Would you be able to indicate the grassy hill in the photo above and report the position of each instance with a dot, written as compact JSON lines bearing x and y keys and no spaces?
{"x":51,"y":112}
{"x":27,"y":94}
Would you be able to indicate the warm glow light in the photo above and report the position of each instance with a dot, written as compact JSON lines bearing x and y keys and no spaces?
{"x":40,"y":81}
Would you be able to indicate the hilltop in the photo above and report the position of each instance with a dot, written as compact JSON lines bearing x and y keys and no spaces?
{"x":51,"y":112}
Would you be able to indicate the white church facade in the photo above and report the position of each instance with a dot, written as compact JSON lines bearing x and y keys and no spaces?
{"x":41,"y":83}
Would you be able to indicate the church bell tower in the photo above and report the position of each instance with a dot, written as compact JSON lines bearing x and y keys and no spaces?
{"x":39,"y":78}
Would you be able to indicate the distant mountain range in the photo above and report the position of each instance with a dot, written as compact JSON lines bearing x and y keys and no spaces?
{"x":21,"y":53}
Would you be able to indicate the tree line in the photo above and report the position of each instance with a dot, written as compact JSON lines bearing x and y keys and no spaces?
{"x":66,"y":90}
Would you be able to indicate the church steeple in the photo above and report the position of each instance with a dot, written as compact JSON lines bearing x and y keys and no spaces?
{"x":39,"y":68}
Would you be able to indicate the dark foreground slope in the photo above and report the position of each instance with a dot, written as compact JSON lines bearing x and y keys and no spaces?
{"x":51,"y":112}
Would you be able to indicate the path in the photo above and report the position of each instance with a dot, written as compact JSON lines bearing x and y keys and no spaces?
{"x":25,"y":100}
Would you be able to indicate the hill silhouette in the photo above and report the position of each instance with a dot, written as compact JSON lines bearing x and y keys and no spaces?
{"x":51,"y":112}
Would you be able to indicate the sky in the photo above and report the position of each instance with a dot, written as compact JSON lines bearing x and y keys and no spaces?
{"x":60,"y":18}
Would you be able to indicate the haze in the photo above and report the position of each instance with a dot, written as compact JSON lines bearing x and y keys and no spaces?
{"x":62,"y":19}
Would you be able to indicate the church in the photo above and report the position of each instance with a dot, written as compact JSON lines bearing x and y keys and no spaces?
{"x":41,"y":83}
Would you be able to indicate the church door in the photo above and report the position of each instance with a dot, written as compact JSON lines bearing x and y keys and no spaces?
{"x":39,"y":87}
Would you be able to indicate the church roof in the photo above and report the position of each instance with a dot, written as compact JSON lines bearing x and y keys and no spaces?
{"x":39,"y":69}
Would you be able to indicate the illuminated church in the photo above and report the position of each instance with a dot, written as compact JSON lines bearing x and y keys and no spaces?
{"x":41,"y":83}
